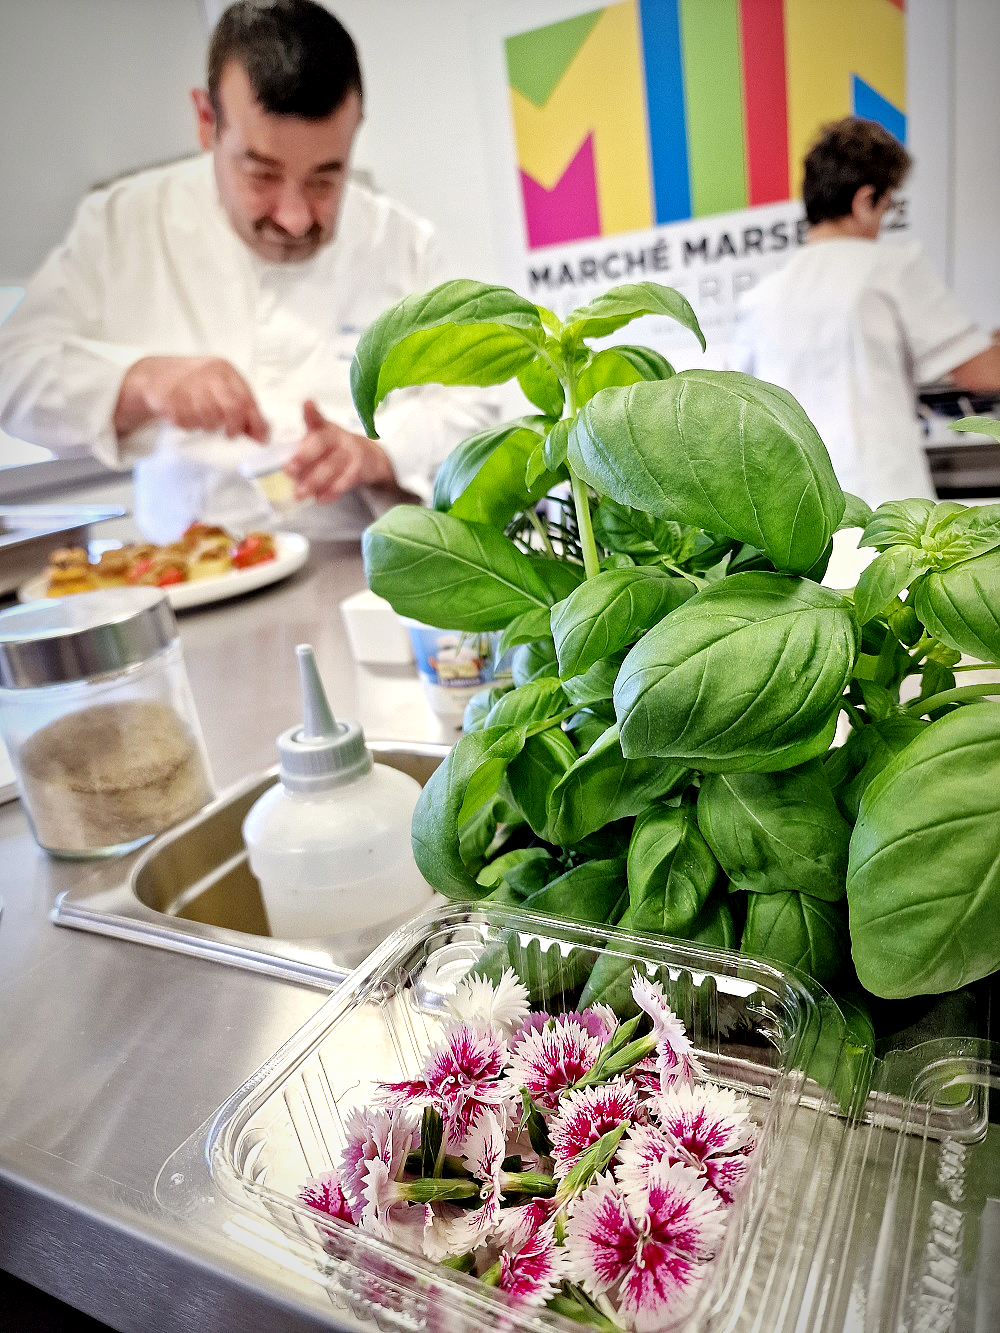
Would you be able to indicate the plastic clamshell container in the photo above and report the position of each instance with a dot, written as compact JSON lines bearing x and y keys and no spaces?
{"x":833,"y":1216}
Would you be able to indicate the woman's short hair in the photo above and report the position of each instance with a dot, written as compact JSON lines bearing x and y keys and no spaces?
{"x":300,"y":60}
{"x":849,"y":154}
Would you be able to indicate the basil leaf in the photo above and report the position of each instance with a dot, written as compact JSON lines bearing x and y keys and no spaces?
{"x":525,"y":628}
{"x":524,"y":871}
{"x":961,"y":606}
{"x":484,"y":479}
{"x":592,"y":893}
{"x":534,"y":661}
{"x":535,"y":771}
{"x":897,"y":523}
{"x":596,"y":684}
{"x":964,"y":533}
{"x":619,"y":306}
{"x":924,"y":876}
{"x":776,"y":831}
{"x":619,"y":366}
{"x":603,"y":786}
{"x":468,"y":776}
{"x":857,"y":512}
{"x":554,"y":446}
{"x":460,"y":332}
{"x":885,"y":578}
{"x":865,"y":753}
{"x":632,"y":532}
{"x":559,"y":576}
{"x":609,"y":611}
{"x":478,"y":707}
{"x":979,"y":425}
{"x":586,"y":728}
{"x":541,"y":385}
{"x":797,"y":931}
{"x":714,"y":925}
{"x":716,"y":450}
{"x":527,"y":704}
{"x":746,"y":676}
{"x":671,"y":871}
{"x":447,"y":572}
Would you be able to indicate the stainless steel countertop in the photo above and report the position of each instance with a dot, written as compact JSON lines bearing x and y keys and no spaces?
{"x":112,"y":1054}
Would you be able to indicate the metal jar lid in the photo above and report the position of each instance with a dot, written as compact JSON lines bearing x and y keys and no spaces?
{"x":65,"y":639}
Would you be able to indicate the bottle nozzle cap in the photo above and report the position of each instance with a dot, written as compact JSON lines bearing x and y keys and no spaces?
{"x":322,"y":752}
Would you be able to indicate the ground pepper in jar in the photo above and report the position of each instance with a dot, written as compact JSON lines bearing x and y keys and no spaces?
{"x":110,"y":774}
{"x":97,"y":715}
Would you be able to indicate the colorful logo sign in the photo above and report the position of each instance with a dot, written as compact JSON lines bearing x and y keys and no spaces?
{"x":655,"y":111}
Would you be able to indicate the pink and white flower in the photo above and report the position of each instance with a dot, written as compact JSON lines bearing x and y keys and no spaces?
{"x":462,"y":1077}
{"x":710,"y":1129}
{"x":505,"y":1004}
{"x":547,"y":1060}
{"x":485,"y":1150}
{"x":588,"y":1113}
{"x":647,"y":1250}
{"x":675,"y":1055}
{"x":324,"y":1193}
{"x":373,"y":1135}
{"x":532,"y":1274}
{"x":518,"y":1225}
{"x":599,"y":1021}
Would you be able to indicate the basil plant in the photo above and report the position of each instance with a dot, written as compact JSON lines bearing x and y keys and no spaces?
{"x":653,"y":546}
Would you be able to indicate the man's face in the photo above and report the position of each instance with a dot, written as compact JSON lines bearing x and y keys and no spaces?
{"x":280,"y":178}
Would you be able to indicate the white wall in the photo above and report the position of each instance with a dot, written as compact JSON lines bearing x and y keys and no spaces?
{"x":89,"y":88}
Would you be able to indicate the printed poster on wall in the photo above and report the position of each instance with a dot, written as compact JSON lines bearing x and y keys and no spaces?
{"x":663,"y":140}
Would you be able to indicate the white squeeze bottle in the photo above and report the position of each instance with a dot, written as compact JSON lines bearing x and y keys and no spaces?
{"x":330,"y":842}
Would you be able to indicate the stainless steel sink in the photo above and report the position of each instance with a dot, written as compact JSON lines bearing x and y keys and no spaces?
{"x":192,"y":891}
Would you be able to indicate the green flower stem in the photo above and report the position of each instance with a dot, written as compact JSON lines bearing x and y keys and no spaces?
{"x":432,"y":1190}
{"x":963,"y":694}
{"x":491,"y":1278}
{"x":591,"y":560}
{"x":533,"y":1183}
{"x":977,"y":666}
{"x":618,"y":1063}
{"x":539,"y":527}
{"x":857,"y":721}
{"x":462,"y":1263}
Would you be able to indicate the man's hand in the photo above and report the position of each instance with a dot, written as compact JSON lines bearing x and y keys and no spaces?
{"x":331,"y":461}
{"x":193,"y":392}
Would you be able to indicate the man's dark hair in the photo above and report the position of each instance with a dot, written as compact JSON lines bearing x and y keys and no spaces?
{"x":848,"y":154}
{"x":300,"y":60}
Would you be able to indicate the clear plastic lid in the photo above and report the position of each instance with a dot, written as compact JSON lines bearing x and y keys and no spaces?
{"x":872,"y":1206}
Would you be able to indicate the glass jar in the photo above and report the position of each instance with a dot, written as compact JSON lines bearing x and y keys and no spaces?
{"x":97,"y":714}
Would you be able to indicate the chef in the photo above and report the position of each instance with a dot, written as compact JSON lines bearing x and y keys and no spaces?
{"x":199,"y":320}
{"x":850,"y":328}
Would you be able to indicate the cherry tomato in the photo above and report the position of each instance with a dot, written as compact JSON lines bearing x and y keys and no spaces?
{"x":254,"y":549}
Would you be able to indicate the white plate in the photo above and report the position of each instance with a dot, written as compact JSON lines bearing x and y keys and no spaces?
{"x":293,"y":551}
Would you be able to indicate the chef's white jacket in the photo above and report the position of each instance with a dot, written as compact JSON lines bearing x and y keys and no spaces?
{"x":850,"y":327}
{"x":152,"y":266}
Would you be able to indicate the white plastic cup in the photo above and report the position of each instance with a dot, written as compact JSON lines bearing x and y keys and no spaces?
{"x":453,"y":666}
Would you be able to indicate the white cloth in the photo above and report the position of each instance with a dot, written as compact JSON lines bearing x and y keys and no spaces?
{"x":152,"y":266}
{"x":850,"y":327}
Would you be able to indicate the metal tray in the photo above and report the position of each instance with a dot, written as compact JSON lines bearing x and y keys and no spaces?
{"x":192,"y":891}
{"x":28,"y":533}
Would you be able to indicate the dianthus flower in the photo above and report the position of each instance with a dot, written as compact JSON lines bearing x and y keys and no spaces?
{"x":505,"y":1004}
{"x":675,"y":1055}
{"x":710,"y":1129}
{"x":462,"y":1077}
{"x":586,"y":1114}
{"x":373,"y":1135}
{"x":532,"y":1275}
{"x":647,"y":1250}
{"x":549,"y":1059}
